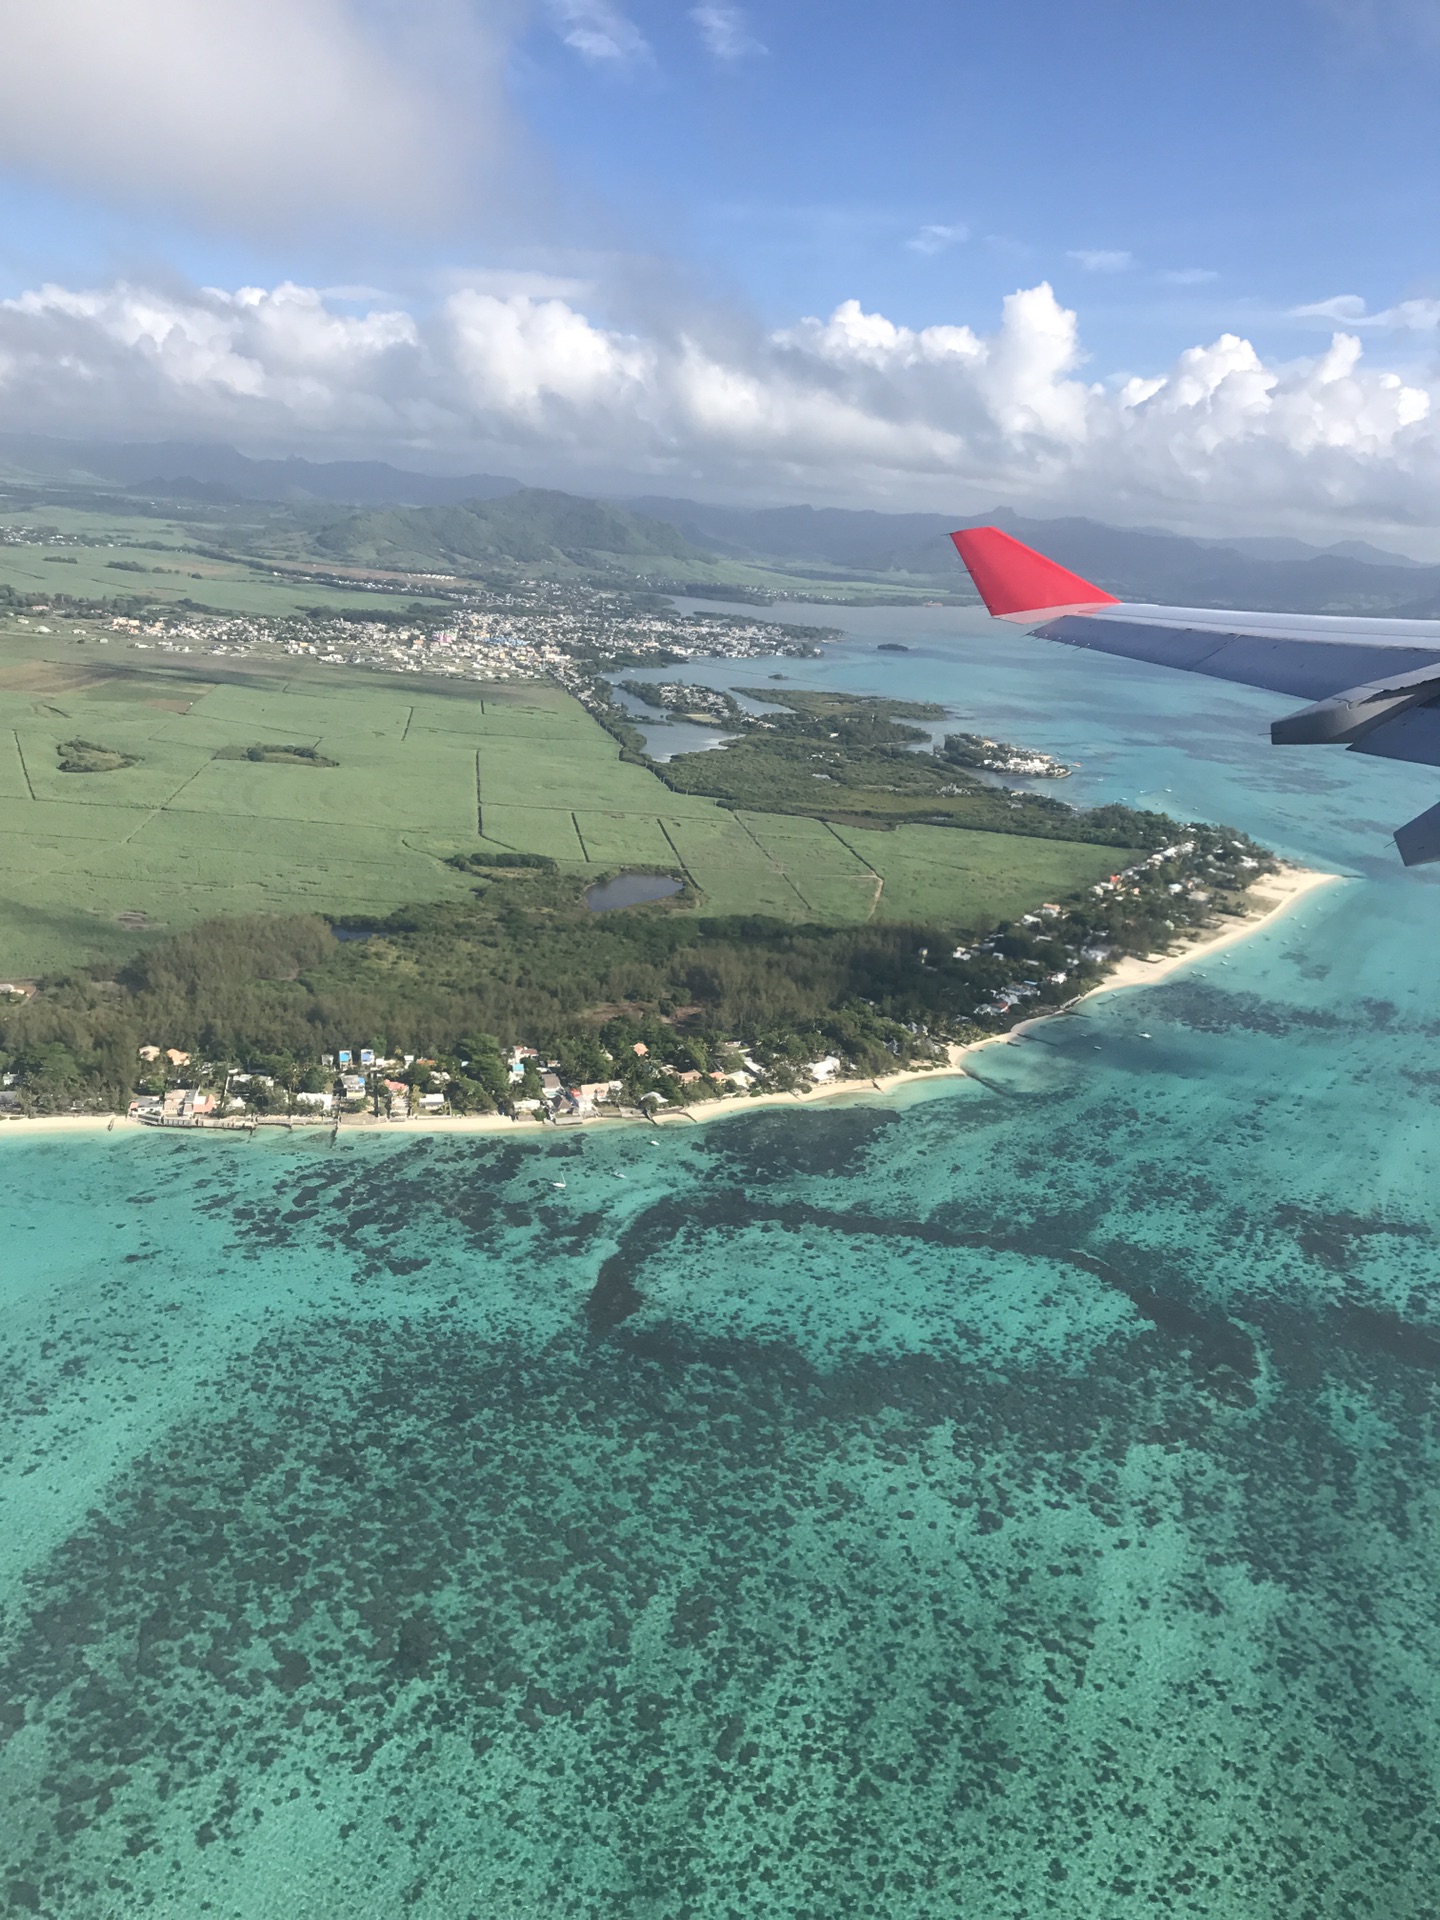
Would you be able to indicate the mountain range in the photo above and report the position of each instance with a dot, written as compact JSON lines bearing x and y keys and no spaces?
{"x":491,"y":522}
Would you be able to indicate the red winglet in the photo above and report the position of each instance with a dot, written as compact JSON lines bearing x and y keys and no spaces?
{"x":1016,"y":583}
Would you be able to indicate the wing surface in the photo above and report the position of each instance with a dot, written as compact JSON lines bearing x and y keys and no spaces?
{"x":1307,"y":667}
{"x":1372,"y":685}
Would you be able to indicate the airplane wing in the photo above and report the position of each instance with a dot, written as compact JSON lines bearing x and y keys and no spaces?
{"x":1370,"y":685}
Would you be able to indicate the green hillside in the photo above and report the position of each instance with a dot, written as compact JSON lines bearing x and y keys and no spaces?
{"x":534,"y":529}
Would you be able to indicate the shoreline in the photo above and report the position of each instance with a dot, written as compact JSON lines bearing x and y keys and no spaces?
{"x":1272,"y":898}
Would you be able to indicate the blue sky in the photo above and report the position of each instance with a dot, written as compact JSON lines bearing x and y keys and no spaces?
{"x":674,"y":174}
{"x":1282,"y":147}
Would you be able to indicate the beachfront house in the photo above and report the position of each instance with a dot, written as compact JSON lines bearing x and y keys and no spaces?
{"x":591,"y":1094}
{"x":187,"y":1103}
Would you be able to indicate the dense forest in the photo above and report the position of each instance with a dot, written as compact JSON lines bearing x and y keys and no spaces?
{"x":525,"y":962}
{"x":779,"y":773}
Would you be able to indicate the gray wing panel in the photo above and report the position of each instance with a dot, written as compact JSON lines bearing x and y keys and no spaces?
{"x":1410,"y":736}
{"x":1305,"y":669}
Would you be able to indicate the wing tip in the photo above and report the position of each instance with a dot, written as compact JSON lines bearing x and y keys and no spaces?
{"x":1017,"y":583}
{"x":1418,"y":841}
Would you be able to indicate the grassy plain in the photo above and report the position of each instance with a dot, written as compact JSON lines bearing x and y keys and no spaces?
{"x":155,"y":559}
{"x":94,"y":865}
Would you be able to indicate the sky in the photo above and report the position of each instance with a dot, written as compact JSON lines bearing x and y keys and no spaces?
{"x":1171,"y":266}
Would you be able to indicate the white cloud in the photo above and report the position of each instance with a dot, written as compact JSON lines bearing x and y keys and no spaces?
{"x":937,"y":239}
{"x":1348,"y":307}
{"x":1101,"y":259}
{"x":600,"y":33}
{"x":854,"y":406}
{"x":726,"y":33}
{"x":258,"y":112}
{"x":1412,"y":316}
{"x":1188,"y":276}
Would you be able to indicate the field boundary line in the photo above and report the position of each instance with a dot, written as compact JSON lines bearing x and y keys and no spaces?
{"x":584,"y":850}
{"x":409,"y":716}
{"x":189,"y":781}
{"x":618,"y":813}
{"x":670,"y":842}
{"x":479,"y":804}
{"x":775,"y":866}
{"x":20,"y":755}
{"x":873,"y":871}
{"x":145,"y":819}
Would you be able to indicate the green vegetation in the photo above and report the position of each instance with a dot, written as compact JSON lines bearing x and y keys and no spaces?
{"x":274,"y":556}
{"x":242,"y":547}
{"x":502,"y":862}
{"x":427,"y":770}
{"x":847,"y":759}
{"x":876,"y":786}
{"x":278,"y":756}
{"x":557,"y":534}
{"x":521,"y":961}
{"x":855,"y":720}
{"x":88,"y":756}
{"x":191,"y":905}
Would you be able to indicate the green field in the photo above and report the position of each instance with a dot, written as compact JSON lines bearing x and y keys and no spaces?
{"x":93,"y":865}
{"x":153,"y":559}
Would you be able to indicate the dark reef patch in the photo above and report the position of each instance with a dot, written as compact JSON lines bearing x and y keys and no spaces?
{"x":778,"y":1146}
{"x":382,"y":1537}
{"x":1334,"y":1238}
{"x":1386,"y":1333}
{"x":1206,"y":1008}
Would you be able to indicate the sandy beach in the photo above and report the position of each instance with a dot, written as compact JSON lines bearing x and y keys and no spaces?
{"x":1269,"y":899}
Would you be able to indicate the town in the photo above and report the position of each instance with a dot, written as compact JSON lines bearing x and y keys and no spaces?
{"x":537,"y":630}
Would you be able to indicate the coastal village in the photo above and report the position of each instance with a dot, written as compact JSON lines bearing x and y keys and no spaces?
{"x":364,"y":1088}
{"x":1040,"y":964}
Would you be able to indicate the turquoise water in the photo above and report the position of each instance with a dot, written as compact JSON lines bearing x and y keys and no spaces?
{"x":1015,"y":1498}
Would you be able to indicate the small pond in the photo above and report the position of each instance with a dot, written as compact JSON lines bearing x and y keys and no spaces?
{"x":353,"y":933}
{"x":629,"y":890}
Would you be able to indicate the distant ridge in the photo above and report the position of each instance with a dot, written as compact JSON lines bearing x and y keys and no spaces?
{"x":218,"y":472}
{"x":914,"y":548}
{"x":533,"y":527}
{"x":831,"y":550}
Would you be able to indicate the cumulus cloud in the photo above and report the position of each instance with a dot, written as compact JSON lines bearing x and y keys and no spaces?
{"x":1101,"y":259}
{"x":600,"y":33}
{"x":852,"y":407}
{"x":260,"y":112}
{"x":937,"y":239}
{"x":725,"y":33}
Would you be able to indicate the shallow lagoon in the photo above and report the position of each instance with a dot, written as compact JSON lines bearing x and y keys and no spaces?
{"x":1009,"y":1499}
